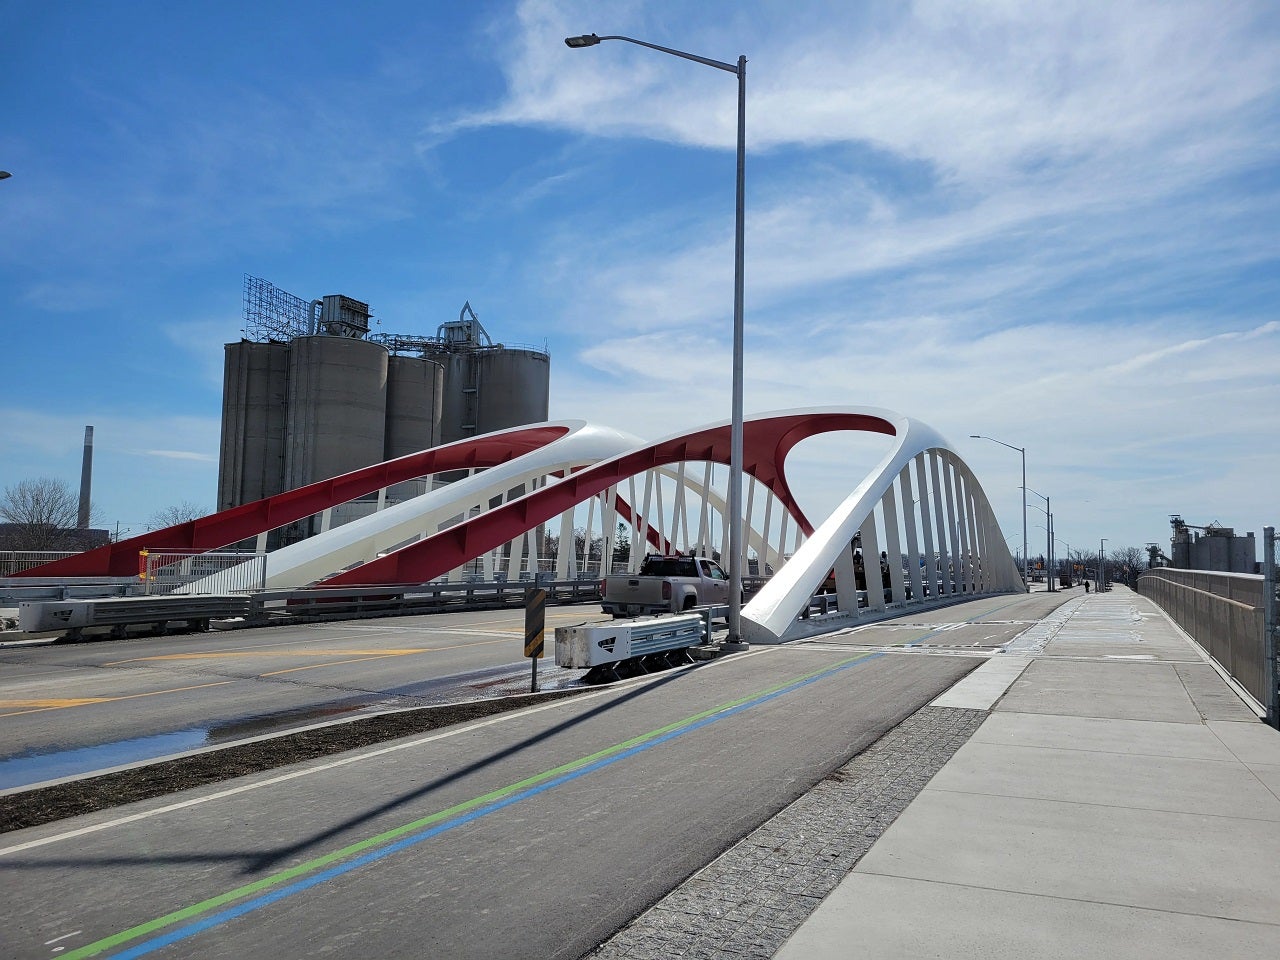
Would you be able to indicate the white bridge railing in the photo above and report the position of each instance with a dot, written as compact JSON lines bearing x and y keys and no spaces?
{"x":218,"y":571}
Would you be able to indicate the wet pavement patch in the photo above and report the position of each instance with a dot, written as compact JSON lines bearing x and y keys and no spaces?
{"x":26,"y":769}
{"x":53,"y":763}
{"x":31,"y":808}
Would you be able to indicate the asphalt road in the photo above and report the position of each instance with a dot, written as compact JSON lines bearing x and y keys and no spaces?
{"x":534,"y":834}
{"x":976,"y":626}
{"x":70,"y":709}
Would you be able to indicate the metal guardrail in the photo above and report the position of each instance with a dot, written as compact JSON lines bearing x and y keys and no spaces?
{"x":1231,"y":615}
{"x":592,"y":645}
{"x":14,"y":590}
{"x":305,"y":604}
{"x":353,"y":603}
{"x":120,"y":613}
{"x":1270,"y":625}
{"x":13,"y":562}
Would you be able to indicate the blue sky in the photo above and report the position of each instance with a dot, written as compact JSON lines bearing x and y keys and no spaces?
{"x":1054,"y":224}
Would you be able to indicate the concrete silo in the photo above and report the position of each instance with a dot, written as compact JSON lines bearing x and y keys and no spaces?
{"x":415,"y":392}
{"x":337,"y":399}
{"x":488,"y":386}
{"x":310,"y":394}
{"x":254,"y":421}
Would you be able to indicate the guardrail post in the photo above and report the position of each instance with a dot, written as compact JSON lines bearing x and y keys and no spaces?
{"x":1272,"y":669}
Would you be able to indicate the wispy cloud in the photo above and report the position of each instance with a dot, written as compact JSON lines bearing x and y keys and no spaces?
{"x":1047,"y":142}
{"x":1054,"y":223}
{"x":1009,"y":218}
{"x":181,"y":455}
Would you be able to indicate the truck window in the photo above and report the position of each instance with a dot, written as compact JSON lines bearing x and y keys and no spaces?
{"x":668,"y":567}
{"x":711,"y":571}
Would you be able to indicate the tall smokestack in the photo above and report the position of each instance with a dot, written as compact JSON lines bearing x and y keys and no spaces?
{"x":86,"y":479}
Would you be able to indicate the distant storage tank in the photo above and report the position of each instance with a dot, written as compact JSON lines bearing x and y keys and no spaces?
{"x":487,"y":386}
{"x":254,"y":419}
{"x":415,"y":394}
{"x":514,"y":388}
{"x":337,"y":402}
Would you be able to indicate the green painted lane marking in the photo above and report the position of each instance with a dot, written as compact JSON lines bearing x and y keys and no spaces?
{"x":362,"y":846}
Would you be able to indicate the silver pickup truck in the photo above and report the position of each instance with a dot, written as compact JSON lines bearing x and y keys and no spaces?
{"x":665,"y":585}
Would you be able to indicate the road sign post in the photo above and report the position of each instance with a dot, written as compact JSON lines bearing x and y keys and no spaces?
{"x":535,"y":626}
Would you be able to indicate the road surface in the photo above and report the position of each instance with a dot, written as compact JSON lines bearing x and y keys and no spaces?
{"x":535,"y":833}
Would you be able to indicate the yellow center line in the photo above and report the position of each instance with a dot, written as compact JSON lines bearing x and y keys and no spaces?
{"x":85,"y":702}
{"x":327,"y":663}
{"x":52,"y":702}
{"x":379,"y":655}
{"x":20,"y":707}
{"x":396,"y":652}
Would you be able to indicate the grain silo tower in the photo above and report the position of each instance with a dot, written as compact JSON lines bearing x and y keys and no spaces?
{"x":488,"y":386}
{"x":337,"y":403}
{"x":310,"y":394}
{"x":304,"y":394}
{"x":415,"y":392}
{"x":254,"y":420}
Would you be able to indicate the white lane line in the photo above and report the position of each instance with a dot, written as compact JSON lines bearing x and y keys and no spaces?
{"x":48,"y":943}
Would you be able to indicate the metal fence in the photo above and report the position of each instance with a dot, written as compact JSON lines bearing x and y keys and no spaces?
{"x":1271,"y":629}
{"x":13,"y":562}
{"x":1231,"y":615}
{"x":218,"y":572}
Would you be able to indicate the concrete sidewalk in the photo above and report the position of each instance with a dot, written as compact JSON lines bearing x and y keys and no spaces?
{"x":1120,"y":800}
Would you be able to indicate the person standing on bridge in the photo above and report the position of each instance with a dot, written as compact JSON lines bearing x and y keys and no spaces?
{"x":1086,"y":586}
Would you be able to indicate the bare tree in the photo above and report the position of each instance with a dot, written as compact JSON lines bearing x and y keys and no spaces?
{"x":42,"y":514}
{"x":172,"y":516}
{"x":622,"y":545}
{"x":1129,"y":563}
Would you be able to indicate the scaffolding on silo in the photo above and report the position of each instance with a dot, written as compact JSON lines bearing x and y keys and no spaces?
{"x":274,"y":314}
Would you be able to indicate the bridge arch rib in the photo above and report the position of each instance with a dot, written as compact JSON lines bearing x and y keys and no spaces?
{"x":965,"y":555}
{"x":767,"y":439}
{"x":956,"y":547}
{"x":921,"y":502}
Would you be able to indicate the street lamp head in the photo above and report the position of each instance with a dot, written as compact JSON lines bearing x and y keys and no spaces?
{"x":5,"y":174}
{"x":586,"y":40}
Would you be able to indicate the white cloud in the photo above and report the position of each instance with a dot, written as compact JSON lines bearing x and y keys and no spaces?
{"x":982,"y":91}
{"x":1104,"y":439}
{"x":181,"y":455}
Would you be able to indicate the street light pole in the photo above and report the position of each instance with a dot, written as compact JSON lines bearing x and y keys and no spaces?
{"x":1048,"y":530}
{"x":1070,"y":571}
{"x":1026,"y":580}
{"x":734,"y":642}
{"x":1102,"y":564}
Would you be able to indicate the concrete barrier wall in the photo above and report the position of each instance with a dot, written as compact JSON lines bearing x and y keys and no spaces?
{"x":1223,"y":612}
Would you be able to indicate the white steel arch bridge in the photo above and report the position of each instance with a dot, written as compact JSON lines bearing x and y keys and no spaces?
{"x":921,"y":503}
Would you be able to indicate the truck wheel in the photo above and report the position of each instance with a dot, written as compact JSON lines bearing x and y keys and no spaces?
{"x":689,"y":603}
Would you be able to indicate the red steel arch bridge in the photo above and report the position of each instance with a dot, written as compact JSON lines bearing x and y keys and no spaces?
{"x":921,"y":502}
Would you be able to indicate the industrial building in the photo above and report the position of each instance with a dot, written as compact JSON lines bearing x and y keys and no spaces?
{"x":309,"y":393}
{"x":1217,"y":548}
